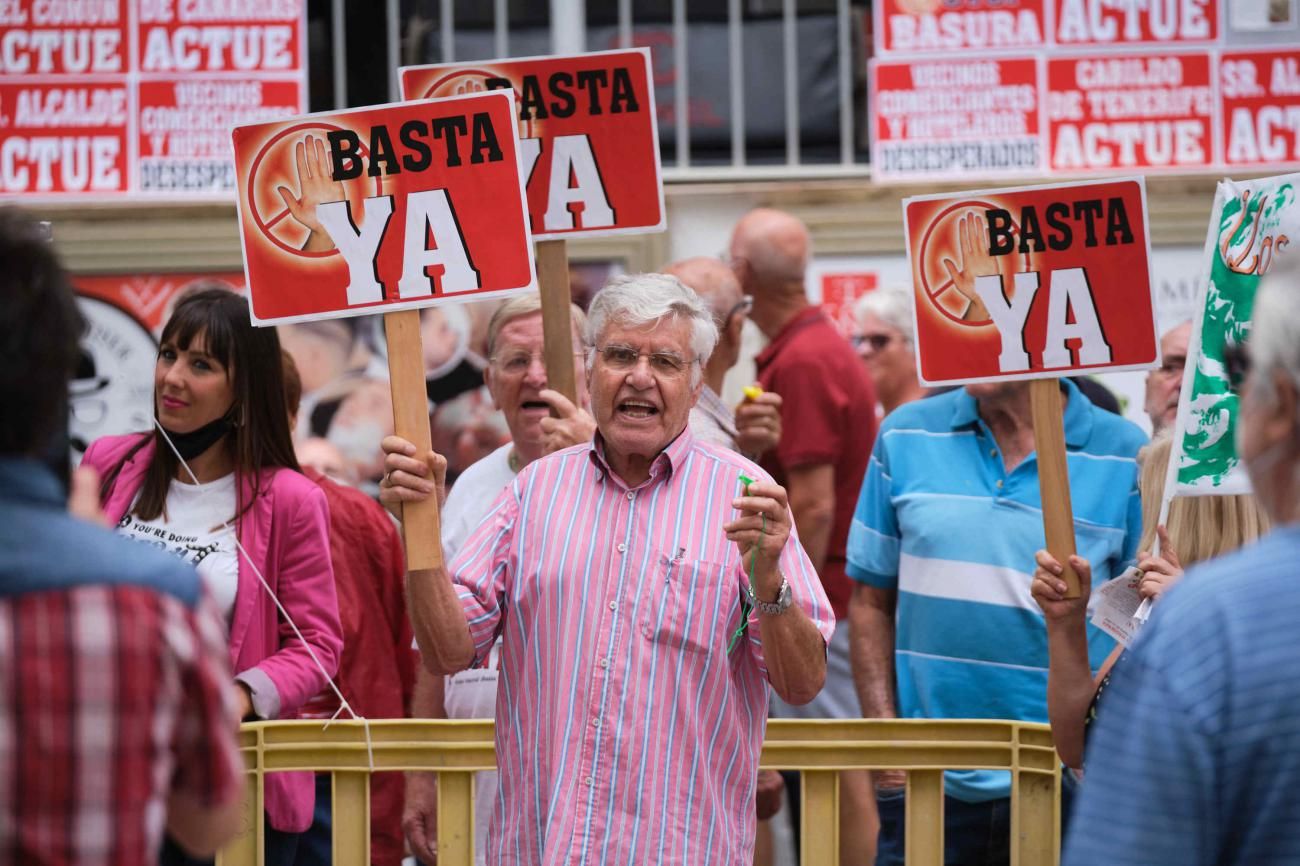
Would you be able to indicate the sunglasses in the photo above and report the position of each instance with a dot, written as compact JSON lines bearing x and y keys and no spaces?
{"x":1236,"y":365}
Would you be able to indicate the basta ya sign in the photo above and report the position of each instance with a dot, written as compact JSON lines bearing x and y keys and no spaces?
{"x":383,"y":208}
{"x":589,"y":138}
{"x":1031,"y":282}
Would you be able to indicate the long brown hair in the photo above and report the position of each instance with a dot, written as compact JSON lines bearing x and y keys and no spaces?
{"x":260,"y":439}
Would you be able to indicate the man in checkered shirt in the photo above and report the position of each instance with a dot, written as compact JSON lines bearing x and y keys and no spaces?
{"x":117,"y":719}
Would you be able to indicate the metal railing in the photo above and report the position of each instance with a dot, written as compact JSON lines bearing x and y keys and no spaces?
{"x":568,"y":32}
{"x":817,"y":749}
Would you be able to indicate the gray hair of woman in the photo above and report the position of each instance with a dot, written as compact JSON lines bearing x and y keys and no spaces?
{"x":892,"y":304}
{"x":641,"y":299}
{"x":1274,"y":342}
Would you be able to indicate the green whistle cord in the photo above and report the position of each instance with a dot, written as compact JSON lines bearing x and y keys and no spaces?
{"x":745,"y":606}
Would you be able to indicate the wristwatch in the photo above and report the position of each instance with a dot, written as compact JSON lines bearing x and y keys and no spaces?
{"x":772,"y":608}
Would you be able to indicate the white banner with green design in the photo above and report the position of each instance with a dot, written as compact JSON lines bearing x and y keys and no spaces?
{"x":1252,"y":224}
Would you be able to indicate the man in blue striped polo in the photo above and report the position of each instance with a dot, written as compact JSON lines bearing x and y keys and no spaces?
{"x":942,"y":548}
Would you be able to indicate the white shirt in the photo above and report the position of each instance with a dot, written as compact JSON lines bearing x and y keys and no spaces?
{"x":472,"y":694}
{"x":192,"y":526}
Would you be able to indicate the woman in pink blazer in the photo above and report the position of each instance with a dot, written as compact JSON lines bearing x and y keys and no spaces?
{"x":219,"y":395}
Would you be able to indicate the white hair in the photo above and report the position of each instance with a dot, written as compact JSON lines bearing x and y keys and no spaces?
{"x":1275,"y":331}
{"x":641,"y":299}
{"x":892,"y":304}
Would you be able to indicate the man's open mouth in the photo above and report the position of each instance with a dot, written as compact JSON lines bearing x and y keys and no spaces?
{"x":637,"y":409}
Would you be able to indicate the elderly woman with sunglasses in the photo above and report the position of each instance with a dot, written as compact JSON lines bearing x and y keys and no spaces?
{"x":884,"y":342}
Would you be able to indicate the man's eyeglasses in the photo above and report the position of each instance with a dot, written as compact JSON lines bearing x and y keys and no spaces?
{"x":743,"y":307}
{"x":518,"y":362}
{"x":877,"y":342}
{"x":1236,"y":364}
{"x":623,"y":359}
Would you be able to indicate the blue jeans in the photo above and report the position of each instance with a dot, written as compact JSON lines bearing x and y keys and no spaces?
{"x":316,"y":846}
{"x":974,"y":834}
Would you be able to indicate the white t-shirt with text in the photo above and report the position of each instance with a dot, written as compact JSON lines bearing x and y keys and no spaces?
{"x":193,"y":527}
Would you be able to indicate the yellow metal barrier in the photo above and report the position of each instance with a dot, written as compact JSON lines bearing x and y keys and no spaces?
{"x":819,"y":749}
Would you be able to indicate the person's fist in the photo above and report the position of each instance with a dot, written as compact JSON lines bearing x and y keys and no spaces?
{"x":1049,"y":588}
{"x":407,"y":478}
{"x":570,"y":424}
{"x":758,"y":423}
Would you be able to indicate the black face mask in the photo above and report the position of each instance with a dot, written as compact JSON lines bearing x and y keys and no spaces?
{"x":194,"y":443}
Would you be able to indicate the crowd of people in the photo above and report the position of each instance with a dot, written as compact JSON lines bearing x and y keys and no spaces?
{"x":634,"y":583}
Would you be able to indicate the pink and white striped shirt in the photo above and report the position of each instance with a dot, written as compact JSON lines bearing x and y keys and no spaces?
{"x":626,"y":731}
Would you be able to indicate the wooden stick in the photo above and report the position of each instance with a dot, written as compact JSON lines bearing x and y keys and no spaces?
{"x":421,"y":529}
{"x":557,"y":327}
{"x":1054,"y":476}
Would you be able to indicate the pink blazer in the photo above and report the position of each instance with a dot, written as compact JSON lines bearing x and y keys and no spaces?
{"x":286,"y":532}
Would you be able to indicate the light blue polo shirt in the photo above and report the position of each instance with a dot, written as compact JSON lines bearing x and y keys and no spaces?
{"x":942,"y":522}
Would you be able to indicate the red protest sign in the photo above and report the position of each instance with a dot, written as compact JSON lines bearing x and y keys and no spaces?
{"x":1260,"y":93}
{"x":936,"y":117}
{"x":1130,"y":22}
{"x":188,"y":36}
{"x":383,"y":208}
{"x":589,"y":136}
{"x":59,"y":137}
{"x":183,"y":127}
{"x":1031,"y":282}
{"x":928,"y":26}
{"x":1129,"y":111}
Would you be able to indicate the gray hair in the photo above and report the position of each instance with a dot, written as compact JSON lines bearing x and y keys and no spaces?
{"x":1275,"y":331}
{"x":892,"y":304}
{"x":525,"y":305}
{"x":640,"y":299}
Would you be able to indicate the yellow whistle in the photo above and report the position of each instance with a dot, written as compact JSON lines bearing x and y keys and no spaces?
{"x":751,"y":392}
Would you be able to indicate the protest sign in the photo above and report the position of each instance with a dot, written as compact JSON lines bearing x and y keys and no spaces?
{"x":1126,"y":111}
{"x":590,"y":149}
{"x":383,"y":208}
{"x":110,"y":98}
{"x":1251,"y":226}
{"x":1133,"y":22}
{"x":386,"y":209}
{"x":1031,"y":282}
{"x":921,"y":26}
{"x":939,"y":117}
{"x":1260,"y":93}
{"x":589,"y":141}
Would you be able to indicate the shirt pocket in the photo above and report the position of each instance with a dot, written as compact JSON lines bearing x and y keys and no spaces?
{"x":688,"y":605}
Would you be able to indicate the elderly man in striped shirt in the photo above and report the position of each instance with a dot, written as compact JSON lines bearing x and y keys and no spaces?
{"x":645,"y":596}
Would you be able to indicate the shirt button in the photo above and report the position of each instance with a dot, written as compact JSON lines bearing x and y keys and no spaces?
{"x":631,"y":495}
{"x":999,"y":484}
{"x":993,"y":452}
{"x":622,"y":548}
{"x":604,"y":663}
{"x":613,"y":605}
{"x":595,"y":723}
{"x":589,"y":781}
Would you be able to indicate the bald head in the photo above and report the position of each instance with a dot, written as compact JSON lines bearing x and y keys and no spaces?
{"x":773,"y":244}
{"x":711,"y":280}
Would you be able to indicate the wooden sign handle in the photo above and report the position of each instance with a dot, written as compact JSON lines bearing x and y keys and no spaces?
{"x":421,"y":526}
{"x":1054,"y":476}
{"x":557,"y":326}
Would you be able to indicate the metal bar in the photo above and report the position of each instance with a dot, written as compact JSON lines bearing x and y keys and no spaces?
{"x":736,"y":58}
{"x":624,"y":23}
{"x":501,"y":28}
{"x":789,"y":24}
{"x":681,"y":90}
{"x":568,"y":26}
{"x":393,"y":28}
{"x":447,"y":21}
{"x":846,"y":81}
{"x":339,"y":48}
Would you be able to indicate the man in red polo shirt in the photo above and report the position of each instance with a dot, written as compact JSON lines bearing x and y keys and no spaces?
{"x":828,"y":418}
